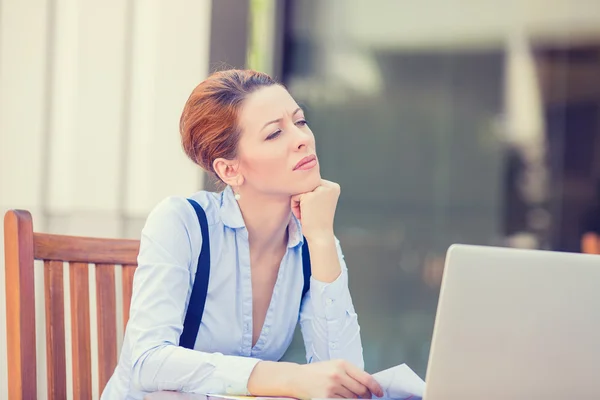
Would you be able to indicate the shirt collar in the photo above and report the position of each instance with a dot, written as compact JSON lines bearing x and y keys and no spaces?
{"x":295,"y":236}
{"x":231,"y":215}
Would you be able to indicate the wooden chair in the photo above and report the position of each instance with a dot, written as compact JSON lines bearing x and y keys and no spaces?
{"x":22,"y":246}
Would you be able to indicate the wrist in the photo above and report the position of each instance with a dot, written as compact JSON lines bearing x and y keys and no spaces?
{"x":271,"y":378}
{"x":325,"y":264}
{"x":292,"y":380}
{"x":321,"y":239}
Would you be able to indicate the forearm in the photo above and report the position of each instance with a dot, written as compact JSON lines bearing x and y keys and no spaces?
{"x":328,"y":319}
{"x":330,"y":324}
{"x":273,"y":379}
{"x":325,"y":263}
{"x":171,"y":367}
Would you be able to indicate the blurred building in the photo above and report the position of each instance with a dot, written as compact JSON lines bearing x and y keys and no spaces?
{"x":444,"y":122}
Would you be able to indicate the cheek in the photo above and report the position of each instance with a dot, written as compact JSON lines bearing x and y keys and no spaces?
{"x":267,"y":163}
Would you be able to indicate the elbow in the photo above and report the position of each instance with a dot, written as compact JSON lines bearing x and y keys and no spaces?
{"x":142,"y":376}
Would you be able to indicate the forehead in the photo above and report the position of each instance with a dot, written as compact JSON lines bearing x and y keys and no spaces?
{"x":266,"y":104}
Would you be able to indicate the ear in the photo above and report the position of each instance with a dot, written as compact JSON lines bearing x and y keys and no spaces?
{"x":228,"y":171}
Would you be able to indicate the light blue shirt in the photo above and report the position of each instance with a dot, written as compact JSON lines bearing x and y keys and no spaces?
{"x":223,"y":356}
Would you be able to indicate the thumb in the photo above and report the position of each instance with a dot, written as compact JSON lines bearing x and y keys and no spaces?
{"x":295,"y":203}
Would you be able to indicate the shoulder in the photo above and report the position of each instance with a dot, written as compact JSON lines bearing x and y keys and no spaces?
{"x":172,"y":226}
{"x":179,"y":209}
{"x":210,"y":202}
{"x":175,"y":218}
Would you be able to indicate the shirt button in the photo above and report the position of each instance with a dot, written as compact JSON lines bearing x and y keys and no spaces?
{"x":229,"y":389}
{"x":267,"y":329}
{"x":333,"y":346}
{"x":329,"y":301}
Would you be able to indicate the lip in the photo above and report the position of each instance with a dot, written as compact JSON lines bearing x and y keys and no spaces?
{"x":306,"y":163}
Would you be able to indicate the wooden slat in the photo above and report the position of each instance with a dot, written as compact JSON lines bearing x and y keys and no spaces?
{"x":80,"y":330}
{"x":20,"y":305}
{"x":107,"y":322}
{"x":86,"y":250}
{"x":128,"y":272}
{"x":55,"y":330}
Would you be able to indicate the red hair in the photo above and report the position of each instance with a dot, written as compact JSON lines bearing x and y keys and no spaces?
{"x":209,"y":121}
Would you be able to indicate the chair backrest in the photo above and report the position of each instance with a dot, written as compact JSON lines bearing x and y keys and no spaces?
{"x":22,"y":246}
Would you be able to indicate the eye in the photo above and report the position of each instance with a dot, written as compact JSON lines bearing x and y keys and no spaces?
{"x":274,"y":135}
{"x":301,"y":122}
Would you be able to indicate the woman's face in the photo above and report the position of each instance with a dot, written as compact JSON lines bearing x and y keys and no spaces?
{"x":276,"y":152}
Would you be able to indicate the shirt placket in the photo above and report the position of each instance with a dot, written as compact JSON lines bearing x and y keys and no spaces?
{"x":244,"y":265}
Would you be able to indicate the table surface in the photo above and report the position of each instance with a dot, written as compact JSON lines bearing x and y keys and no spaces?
{"x":185,"y":396}
{"x":174,"y":396}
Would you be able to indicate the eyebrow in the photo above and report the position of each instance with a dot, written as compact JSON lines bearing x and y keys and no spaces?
{"x":279,"y":119}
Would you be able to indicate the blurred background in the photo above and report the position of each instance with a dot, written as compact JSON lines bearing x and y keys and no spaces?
{"x":452,"y":121}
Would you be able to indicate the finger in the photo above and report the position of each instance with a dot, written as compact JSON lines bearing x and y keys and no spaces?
{"x":297,"y":198}
{"x":295,"y":203}
{"x":343,"y":392}
{"x":329,"y":184}
{"x":365,"y":379}
{"x":356,"y":387}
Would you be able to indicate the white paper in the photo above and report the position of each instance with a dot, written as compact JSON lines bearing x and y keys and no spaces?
{"x":400,"y":382}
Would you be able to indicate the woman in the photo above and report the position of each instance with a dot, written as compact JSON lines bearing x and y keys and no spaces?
{"x":248,"y":130}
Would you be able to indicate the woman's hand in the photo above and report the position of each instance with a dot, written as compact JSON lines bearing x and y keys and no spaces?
{"x":336,"y":378}
{"x":316,"y":210}
{"x":325,"y":379}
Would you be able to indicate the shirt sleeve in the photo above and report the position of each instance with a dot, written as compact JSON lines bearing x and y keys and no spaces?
{"x":328,"y":321}
{"x":161,"y":289}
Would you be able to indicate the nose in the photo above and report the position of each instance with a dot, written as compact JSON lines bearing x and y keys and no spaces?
{"x":302,"y":139}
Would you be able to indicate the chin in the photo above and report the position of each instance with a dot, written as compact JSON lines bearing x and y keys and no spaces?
{"x":309,"y":184}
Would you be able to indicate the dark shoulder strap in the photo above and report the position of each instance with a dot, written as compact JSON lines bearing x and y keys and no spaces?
{"x":305,"y":268}
{"x":193,"y":316}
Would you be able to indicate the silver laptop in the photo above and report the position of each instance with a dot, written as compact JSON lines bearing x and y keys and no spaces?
{"x":516,"y":324}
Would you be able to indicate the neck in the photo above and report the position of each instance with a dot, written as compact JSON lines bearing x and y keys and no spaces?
{"x":266,"y":219}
